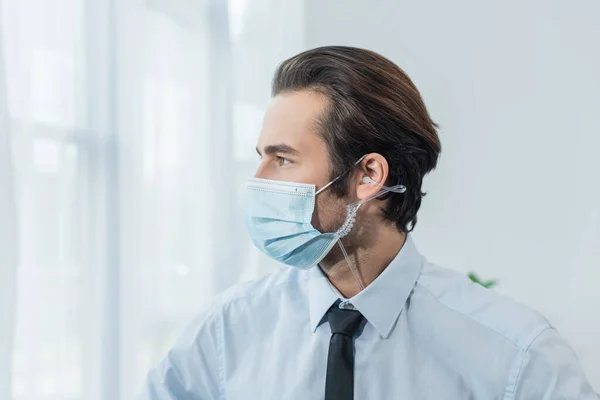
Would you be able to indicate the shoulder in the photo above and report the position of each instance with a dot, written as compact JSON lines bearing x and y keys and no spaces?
{"x":486,"y":311}
{"x":549,"y":369}
{"x":247,"y":300}
{"x":280,"y":283}
{"x":194,"y":364}
{"x":242,"y":307}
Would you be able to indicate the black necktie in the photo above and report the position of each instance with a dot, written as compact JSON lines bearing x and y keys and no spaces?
{"x":339,"y":384}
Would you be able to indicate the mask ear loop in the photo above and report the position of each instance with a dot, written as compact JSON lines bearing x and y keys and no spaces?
{"x":339,"y":176}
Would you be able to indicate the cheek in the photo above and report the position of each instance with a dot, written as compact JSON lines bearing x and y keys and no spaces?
{"x":329,"y":214}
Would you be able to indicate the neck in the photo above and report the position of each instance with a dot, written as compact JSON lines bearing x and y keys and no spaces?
{"x":369,"y":261}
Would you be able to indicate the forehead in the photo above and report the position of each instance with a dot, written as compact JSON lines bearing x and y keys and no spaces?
{"x":291,"y":119}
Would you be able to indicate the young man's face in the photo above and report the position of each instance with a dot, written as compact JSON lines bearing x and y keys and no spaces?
{"x":292,"y":150}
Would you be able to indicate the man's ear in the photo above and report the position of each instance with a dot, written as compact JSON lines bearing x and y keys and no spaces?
{"x":373,"y":172}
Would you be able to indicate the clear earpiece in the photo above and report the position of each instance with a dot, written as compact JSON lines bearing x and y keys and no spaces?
{"x":395,"y":189}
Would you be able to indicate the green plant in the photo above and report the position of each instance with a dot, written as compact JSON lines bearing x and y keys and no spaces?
{"x":485,"y":284}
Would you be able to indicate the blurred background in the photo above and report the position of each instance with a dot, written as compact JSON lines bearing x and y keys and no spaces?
{"x":127,"y":130}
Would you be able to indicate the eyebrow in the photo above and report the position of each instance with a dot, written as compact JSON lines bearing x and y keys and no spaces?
{"x":279,"y":148}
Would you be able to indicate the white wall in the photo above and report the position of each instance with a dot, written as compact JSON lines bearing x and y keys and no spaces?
{"x":515,"y":87}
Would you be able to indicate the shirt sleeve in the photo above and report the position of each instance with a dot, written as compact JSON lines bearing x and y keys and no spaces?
{"x":190,"y":371}
{"x":550,"y":371}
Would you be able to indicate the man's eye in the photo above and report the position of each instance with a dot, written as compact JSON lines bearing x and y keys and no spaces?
{"x":283,"y":161}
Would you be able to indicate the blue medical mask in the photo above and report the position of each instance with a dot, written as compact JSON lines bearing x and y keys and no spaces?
{"x":278,"y":218}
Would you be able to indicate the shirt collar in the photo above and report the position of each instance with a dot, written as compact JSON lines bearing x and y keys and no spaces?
{"x":320,"y":297}
{"x":382,"y":301}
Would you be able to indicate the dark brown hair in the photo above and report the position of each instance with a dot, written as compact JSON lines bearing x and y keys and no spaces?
{"x":374,"y":107}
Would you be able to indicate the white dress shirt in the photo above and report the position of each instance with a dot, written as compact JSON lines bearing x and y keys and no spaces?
{"x":430,"y":334}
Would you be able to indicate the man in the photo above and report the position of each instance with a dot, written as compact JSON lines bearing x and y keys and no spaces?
{"x":359,"y":313}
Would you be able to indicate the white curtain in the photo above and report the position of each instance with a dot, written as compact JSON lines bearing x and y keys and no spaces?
{"x":8,"y":237}
{"x":127,"y":129}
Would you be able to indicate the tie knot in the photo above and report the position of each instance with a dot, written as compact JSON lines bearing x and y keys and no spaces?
{"x":345,"y":322}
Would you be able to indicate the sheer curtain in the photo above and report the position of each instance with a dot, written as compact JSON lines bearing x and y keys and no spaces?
{"x":127,"y":129}
{"x":8,"y":235}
